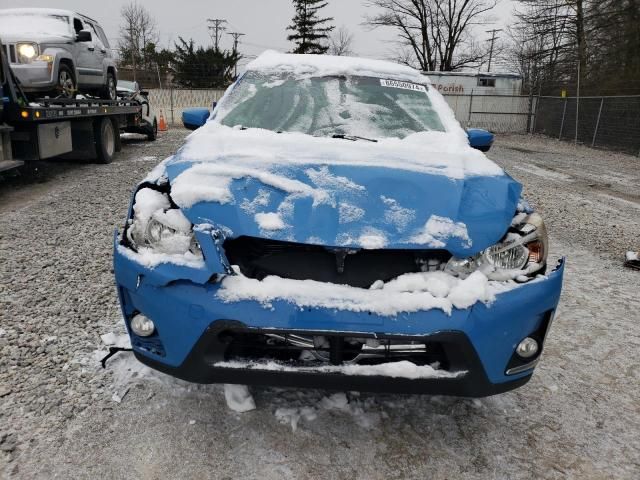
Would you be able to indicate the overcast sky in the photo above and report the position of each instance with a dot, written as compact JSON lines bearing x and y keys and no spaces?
{"x":263,"y":21}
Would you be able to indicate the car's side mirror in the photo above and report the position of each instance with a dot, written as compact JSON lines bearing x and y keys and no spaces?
{"x":83,"y":36}
{"x":194,"y":118}
{"x":480,"y":139}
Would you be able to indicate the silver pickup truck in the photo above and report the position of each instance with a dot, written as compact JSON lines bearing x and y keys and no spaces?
{"x":58,"y":52}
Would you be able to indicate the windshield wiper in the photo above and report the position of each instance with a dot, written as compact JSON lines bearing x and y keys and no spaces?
{"x":353,"y":138}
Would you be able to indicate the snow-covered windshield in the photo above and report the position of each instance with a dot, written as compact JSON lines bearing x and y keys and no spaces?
{"x":34,"y":24}
{"x":334,"y":105}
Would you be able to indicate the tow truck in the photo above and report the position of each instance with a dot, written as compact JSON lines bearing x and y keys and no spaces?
{"x":68,"y":128}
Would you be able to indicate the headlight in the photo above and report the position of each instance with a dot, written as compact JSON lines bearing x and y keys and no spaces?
{"x":507,"y":257}
{"x":523,"y":252}
{"x":524,"y":249}
{"x":157,"y":226}
{"x":165,"y":239}
{"x":27,"y":52}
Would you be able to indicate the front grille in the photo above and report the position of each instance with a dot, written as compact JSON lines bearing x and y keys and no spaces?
{"x":305,"y":348}
{"x":10,"y":52}
{"x":259,"y":258}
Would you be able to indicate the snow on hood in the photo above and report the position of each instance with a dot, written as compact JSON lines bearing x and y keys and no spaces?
{"x":272,"y":61}
{"x":425,"y":191}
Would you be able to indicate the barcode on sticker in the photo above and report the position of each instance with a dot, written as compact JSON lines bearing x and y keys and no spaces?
{"x":404,"y":85}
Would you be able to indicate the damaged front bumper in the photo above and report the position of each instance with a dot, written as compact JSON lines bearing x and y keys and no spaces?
{"x":196,"y":333}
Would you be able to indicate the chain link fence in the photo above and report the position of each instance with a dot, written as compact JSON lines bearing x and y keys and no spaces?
{"x":173,"y":101}
{"x":605,"y":122}
{"x":496,"y":113}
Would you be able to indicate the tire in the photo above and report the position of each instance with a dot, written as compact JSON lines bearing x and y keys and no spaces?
{"x":66,"y":86}
{"x":105,"y":138}
{"x":109,"y":92}
{"x":152,"y":134}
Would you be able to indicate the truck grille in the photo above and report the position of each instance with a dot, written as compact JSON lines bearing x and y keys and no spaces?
{"x":259,"y":258}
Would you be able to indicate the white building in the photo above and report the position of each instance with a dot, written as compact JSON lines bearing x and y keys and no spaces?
{"x":457,"y":83}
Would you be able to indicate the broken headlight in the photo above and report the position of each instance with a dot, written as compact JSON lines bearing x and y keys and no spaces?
{"x":162,"y":236}
{"x":521,"y":253}
{"x":158,"y":226}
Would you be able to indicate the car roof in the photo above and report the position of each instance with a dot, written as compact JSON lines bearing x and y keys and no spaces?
{"x":327,"y":65}
{"x":44,"y":11}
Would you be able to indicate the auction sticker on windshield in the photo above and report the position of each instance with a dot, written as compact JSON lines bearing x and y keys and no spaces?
{"x":404,"y":85}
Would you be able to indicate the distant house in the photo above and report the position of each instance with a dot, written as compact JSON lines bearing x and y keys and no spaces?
{"x":458,"y":83}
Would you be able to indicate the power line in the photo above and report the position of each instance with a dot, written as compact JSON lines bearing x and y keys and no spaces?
{"x":216,"y":25}
{"x":236,"y":37}
{"x":493,"y":41}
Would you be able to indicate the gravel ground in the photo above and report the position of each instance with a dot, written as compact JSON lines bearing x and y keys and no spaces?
{"x":578,"y":417}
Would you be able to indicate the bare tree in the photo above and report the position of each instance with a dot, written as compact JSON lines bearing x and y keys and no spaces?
{"x":137,"y":32}
{"x":437,"y":32}
{"x":341,"y":43}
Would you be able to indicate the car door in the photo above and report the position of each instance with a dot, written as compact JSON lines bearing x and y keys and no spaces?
{"x":100,"y":51}
{"x":88,"y":66}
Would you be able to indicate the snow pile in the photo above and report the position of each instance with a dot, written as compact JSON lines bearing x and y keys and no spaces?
{"x":397,"y":215}
{"x":34,"y":23}
{"x":402,"y":369}
{"x":363,"y":411}
{"x":327,"y":65}
{"x":239,"y":398}
{"x":349,"y":213}
{"x":438,"y":229}
{"x":412,"y":292}
{"x":249,"y":153}
{"x":269,"y":221}
{"x":211,"y":182}
{"x":151,"y":259}
{"x":292,"y":416}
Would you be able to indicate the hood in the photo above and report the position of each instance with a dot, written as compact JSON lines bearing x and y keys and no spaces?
{"x":389,"y":194}
{"x":39,"y":38}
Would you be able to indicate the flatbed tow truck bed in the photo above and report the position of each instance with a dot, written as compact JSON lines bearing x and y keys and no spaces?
{"x":69,"y":128}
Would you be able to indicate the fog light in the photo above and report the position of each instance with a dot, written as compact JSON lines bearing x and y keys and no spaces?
{"x":527,"y":348}
{"x":142,"y":326}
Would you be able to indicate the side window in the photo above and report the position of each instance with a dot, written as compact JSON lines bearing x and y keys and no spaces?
{"x":77,"y":25}
{"x":487,"y":82}
{"x":103,"y":37}
{"x":97,"y":39}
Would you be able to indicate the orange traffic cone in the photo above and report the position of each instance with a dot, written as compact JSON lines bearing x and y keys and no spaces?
{"x":162,"y":126}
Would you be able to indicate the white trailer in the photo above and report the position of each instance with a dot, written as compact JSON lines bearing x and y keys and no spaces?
{"x":458,"y":83}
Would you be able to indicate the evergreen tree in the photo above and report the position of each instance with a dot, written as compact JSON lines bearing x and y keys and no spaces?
{"x":310,"y":32}
{"x":197,"y":67}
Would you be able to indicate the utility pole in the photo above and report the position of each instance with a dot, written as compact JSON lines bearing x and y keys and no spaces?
{"x":216,"y":25}
{"x":236,"y":38}
{"x":493,"y":41}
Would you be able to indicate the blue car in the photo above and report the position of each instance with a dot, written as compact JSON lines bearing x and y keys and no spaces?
{"x":330,"y":226}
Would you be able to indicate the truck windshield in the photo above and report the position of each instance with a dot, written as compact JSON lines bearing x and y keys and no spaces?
{"x":34,"y":24}
{"x":330,"y":106}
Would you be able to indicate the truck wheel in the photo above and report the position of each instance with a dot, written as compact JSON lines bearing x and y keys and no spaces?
{"x":109,"y":91}
{"x":105,"y":136}
{"x":66,"y":83}
{"x":152,"y":134}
